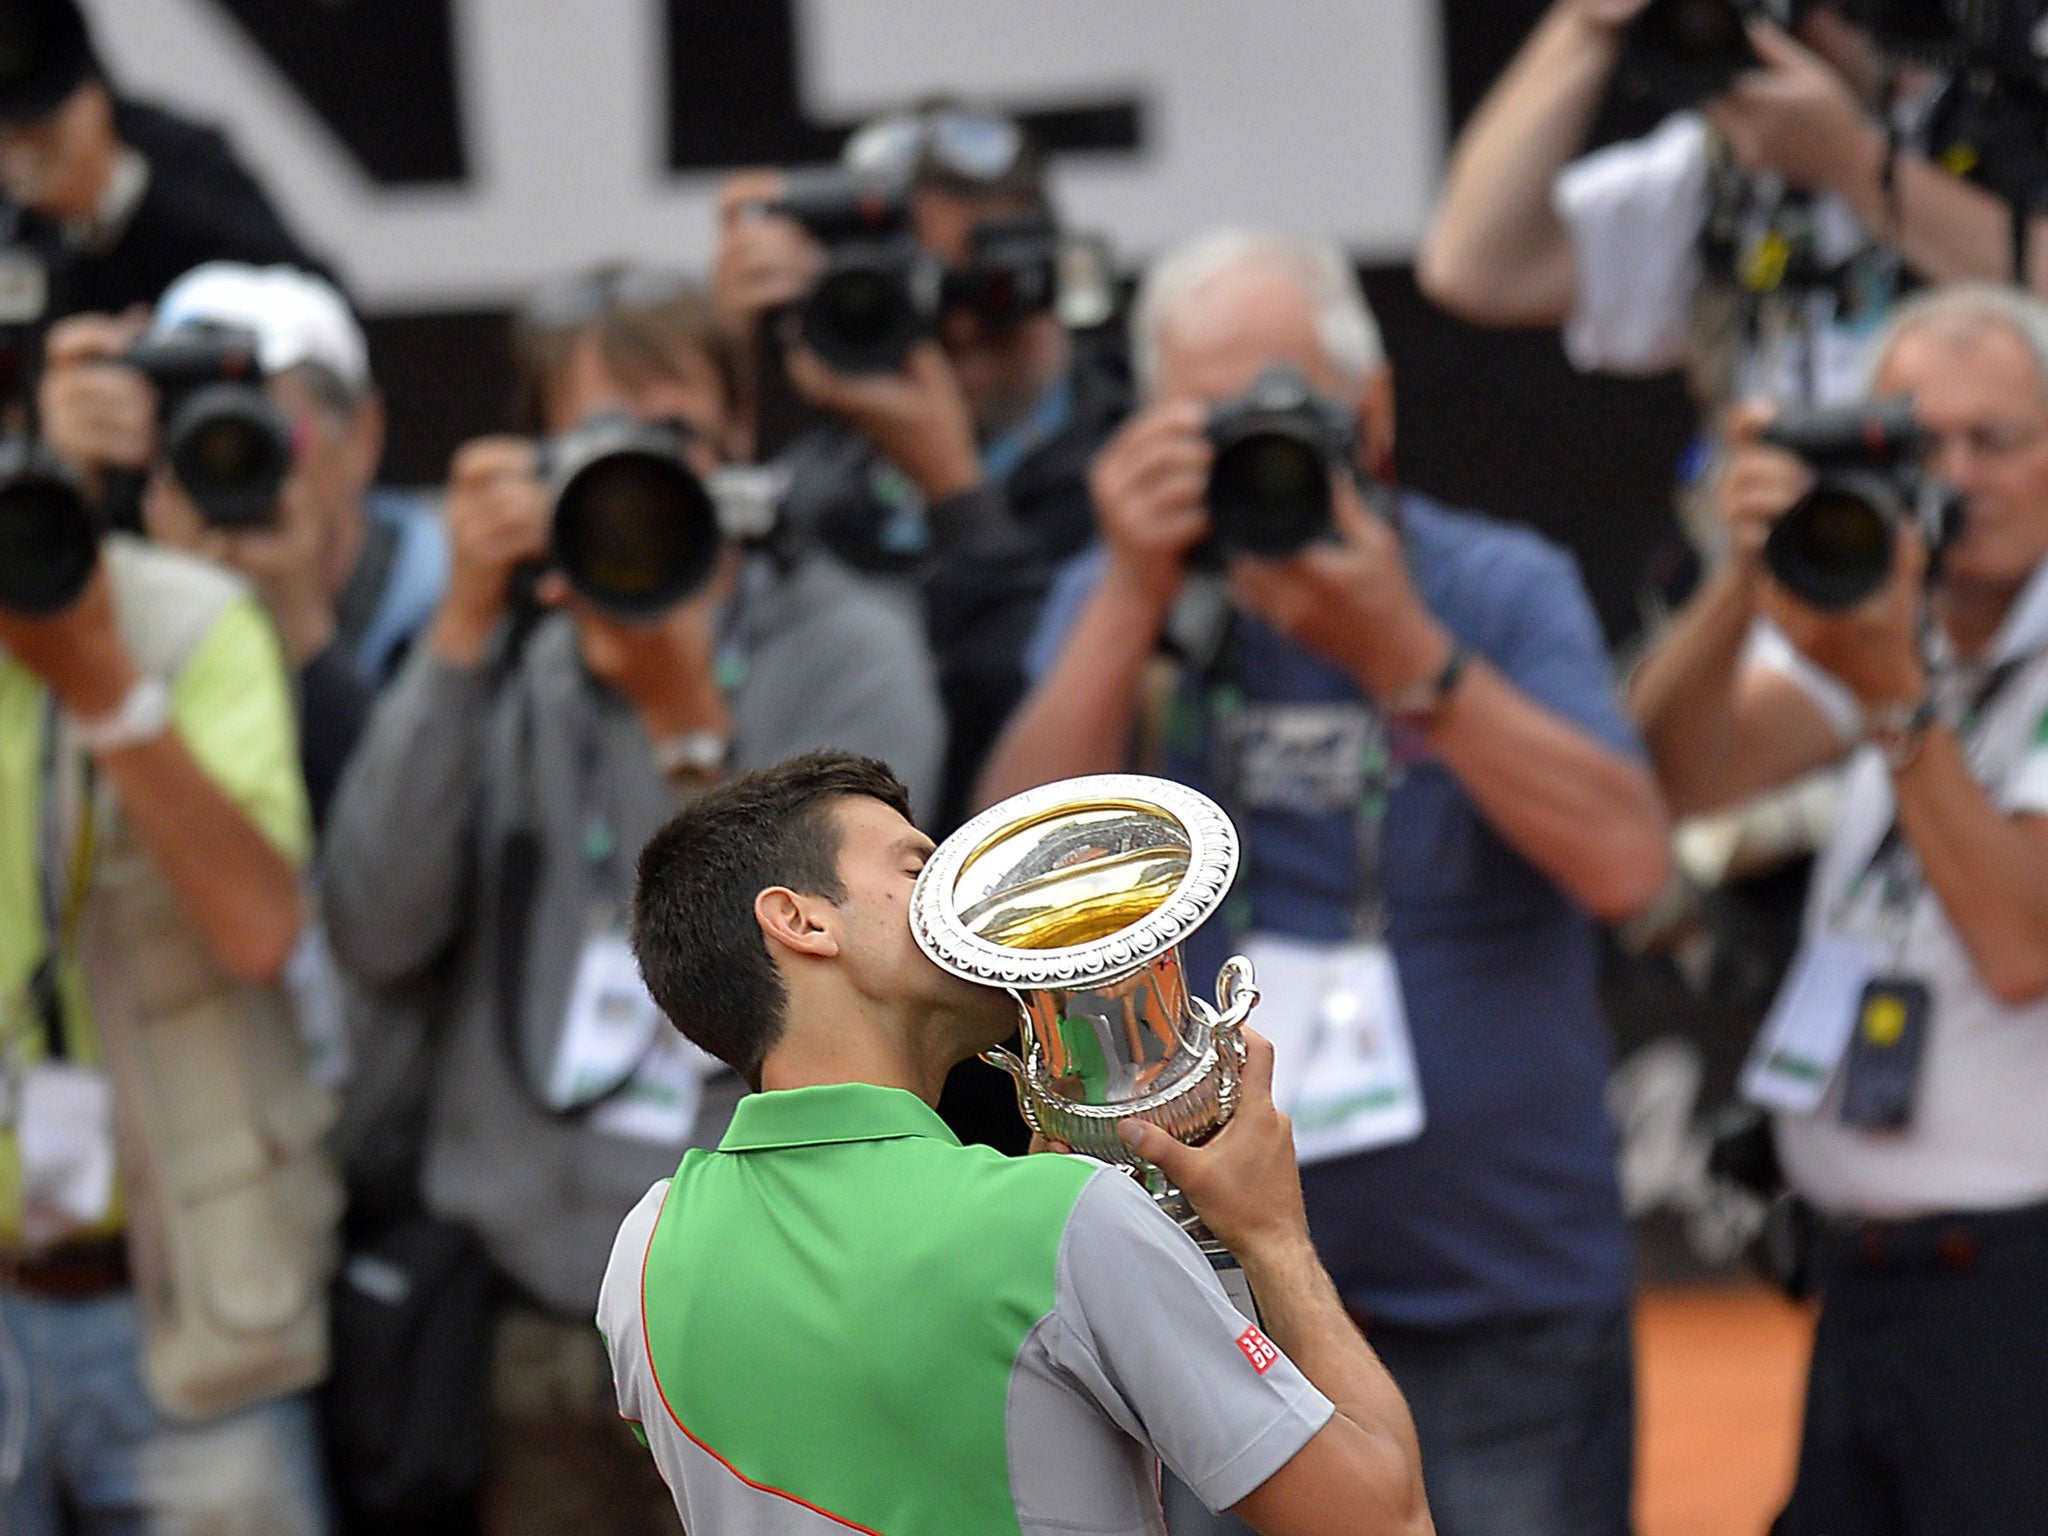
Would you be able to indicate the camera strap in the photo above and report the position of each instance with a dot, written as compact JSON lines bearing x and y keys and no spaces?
{"x":65,"y":876}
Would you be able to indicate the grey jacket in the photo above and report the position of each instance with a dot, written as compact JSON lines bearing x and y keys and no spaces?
{"x":414,"y":877}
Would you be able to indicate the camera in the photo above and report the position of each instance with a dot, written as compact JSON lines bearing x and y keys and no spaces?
{"x":879,"y":293}
{"x":1276,"y":444}
{"x":228,"y":446}
{"x":1012,"y":271}
{"x":632,"y":526}
{"x":49,"y":535}
{"x":1683,"y":52}
{"x":1834,"y":547}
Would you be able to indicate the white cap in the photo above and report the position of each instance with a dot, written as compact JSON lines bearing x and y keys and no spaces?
{"x":295,"y":316}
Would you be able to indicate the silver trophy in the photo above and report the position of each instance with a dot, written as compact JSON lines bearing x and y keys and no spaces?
{"x":1075,"y":897}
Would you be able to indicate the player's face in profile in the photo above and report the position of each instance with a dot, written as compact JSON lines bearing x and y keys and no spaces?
{"x":880,"y":858}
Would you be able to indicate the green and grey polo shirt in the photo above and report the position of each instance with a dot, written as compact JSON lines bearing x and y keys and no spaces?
{"x":844,"y":1319}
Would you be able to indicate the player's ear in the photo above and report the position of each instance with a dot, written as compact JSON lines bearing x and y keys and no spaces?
{"x":796,"y":923}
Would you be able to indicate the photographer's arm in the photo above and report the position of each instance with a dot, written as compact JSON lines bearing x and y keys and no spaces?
{"x":1147,"y":485}
{"x":236,"y":886}
{"x":1497,"y":253}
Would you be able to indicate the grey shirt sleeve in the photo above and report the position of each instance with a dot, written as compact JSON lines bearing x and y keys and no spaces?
{"x":395,"y":868}
{"x":1141,"y":1323}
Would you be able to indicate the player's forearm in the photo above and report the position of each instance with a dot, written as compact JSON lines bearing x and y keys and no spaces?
{"x":1302,"y":1313}
{"x":1497,"y":250}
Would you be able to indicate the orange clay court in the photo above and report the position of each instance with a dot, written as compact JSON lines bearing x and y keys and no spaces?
{"x":1721,"y":1375}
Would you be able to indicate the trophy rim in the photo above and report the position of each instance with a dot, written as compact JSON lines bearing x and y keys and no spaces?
{"x":953,"y":947}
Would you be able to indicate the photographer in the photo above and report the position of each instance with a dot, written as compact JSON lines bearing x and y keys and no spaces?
{"x":965,"y":466}
{"x":167,"y":1223}
{"x":349,"y":574}
{"x":115,"y":199}
{"x":1907,"y":1057}
{"x":1408,"y":714}
{"x":490,"y":820}
{"x":1756,"y":236}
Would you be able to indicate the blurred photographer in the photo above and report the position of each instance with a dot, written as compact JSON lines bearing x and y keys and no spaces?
{"x":167,"y":1214}
{"x":1407,"y":711}
{"x":1758,"y":233}
{"x":1906,"y":1058}
{"x":610,"y":644}
{"x":350,"y":573}
{"x":113,"y":199}
{"x":961,"y":412}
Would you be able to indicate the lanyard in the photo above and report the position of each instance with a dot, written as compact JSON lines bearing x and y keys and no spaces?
{"x":64,"y":883}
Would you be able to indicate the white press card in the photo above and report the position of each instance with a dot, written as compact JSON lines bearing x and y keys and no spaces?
{"x":1806,"y":1034}
{"x":64,"y":1130}
{"x":659,"y":1102}
{"x":1343,"y":1061}
{"x":610,"y":1024}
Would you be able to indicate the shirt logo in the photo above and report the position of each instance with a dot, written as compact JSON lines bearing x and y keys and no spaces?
{"x":1258,"y":1349}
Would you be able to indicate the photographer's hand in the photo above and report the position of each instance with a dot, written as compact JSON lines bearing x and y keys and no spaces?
{"x":285,"y":560}
{"x":1873,"y":649}
{"x":1755,"y":485}
{"x":497,"y":520}
{"x":1350,"y":602}
{"x":1796,"y":117}
{"x":1148,"y":485}
{"x":667,"y":668}
{"x":916,"y":418}
{"x":96,"y":414}
{"x":763,"y":262}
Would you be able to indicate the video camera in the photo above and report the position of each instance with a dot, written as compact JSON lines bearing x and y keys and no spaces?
{"x":879,"y":294}
{"x":1835,"y":545}
{"x":631,"y":525}
{"x":1276,"y":445}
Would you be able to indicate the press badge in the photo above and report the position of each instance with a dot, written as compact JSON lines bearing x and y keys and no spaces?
{"x":659,"y":1102}
{"x":610,"y":1024}
{"x":64,"y":1133}
{"x":1885,"y":1049}
{"x":1805,"y":1035}
{"x":1343,"y":1060}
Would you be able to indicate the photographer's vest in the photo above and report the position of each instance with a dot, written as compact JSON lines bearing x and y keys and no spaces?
{"x":231,"y":1198}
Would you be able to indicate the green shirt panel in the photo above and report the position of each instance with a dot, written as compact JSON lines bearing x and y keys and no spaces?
{"x":835,"y":1298}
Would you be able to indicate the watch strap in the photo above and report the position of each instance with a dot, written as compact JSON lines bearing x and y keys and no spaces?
{"x":142,"y":716}
{"x":1420,"y":703}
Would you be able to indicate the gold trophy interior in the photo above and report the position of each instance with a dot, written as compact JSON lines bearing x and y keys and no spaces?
{"x":1127,"y":1039}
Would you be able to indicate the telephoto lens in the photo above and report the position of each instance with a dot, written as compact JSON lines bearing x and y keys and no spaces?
{"x":633,"y":528}
{"x":1834,"y":547}
{"x":1276,"y":446}
{"x":49,"y":538}
{"x":229,"y":446}
{"x":879,"y":293}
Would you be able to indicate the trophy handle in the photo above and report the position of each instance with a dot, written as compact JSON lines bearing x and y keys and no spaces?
{"x":1010,"y":1062}
{"x":1237,"y":993}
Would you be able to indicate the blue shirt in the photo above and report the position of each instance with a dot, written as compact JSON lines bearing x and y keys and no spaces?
{"x":1507,"y":1205}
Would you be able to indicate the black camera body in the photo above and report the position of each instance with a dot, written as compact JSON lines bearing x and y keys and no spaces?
{"x":879,"y":293}
{"x":1276,"y":447}
{"x":228,"y":445}
{"x":1683,"y":52}
{"x":49,"y":533}
{"x":633,"y":526}
{"x":1012,"y":271}
{"x":1834,"y":547}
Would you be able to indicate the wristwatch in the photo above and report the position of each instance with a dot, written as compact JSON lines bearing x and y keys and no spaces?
{"x":1420,"y":703}
{"x":692,"y":754}
{"x":143,"y":715}
{"x":1897,"y":729}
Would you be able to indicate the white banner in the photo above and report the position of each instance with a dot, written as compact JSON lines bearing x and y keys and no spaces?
{"x":1320,"y":115}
